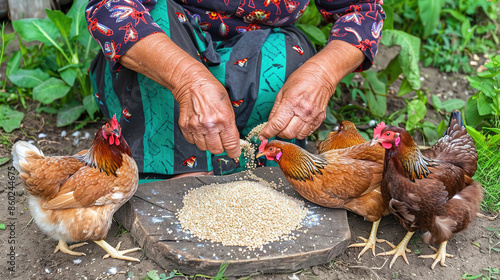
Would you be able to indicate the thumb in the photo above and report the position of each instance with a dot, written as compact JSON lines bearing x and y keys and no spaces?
{"x":278,"y":121}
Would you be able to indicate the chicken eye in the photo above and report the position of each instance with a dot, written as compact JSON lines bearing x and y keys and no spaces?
{"x":271,"y":149}
{"x":387,"y":134}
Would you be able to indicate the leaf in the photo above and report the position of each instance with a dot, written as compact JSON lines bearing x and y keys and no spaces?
{"x":416,"y":111}
{"x":430,"y":133}
{"x":453,"y":104}
{"x":91,"y":106}
{"x":389,"y":18}
{"x":26,"y":78}
{"x":313,"y":33}
{"x":441,"y":128}
{"x":436,"y":102}
{"x":484,"y":107}
{"x":67,"y":115}
{"x":153,"y":275}
{"x":429,"y":12}
{"x":50,"y":90}
{"x":34,"y":29}
{"x":487,"y":86}
{"x":456,"y":14}
{"x":77,"y":13}
{"x":60,"y":20}
{"x":405,"y":87}
{"x":2,"y":162}
{"x":49,"y":110}
{"x":68,"y":74}
{"x":375,"y":93}
{"x":2,"y":225}
{"x":13,"y":64}
{"x":409,"y":55}
{"x":472,"y":116}
{"x":10,"y":119}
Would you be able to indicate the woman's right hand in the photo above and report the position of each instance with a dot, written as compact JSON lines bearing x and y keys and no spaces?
{"x":206,"y":116}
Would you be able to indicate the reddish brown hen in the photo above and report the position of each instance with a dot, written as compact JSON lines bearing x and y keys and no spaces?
{"x":345,"y":136}
{"x":430,"y":190}
{"x":73,"y":198}
{"x":343,"y":178}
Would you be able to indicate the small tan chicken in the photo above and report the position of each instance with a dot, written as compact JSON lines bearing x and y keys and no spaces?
{"x":73,"y":198}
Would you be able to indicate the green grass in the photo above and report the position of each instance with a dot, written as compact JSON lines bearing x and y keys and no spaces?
{"x":488,"y":175}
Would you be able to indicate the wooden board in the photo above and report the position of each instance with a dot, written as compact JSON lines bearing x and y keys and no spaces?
{"x":150,"y":218}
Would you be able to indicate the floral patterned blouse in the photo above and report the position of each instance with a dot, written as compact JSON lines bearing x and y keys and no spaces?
{"x":118,"y":24}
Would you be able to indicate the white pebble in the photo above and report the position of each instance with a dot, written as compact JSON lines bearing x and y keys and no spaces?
{"x":76,"y":133}
{"x":87,"y":135}
{"x":112,"y":270}
{"x":77,"y":261}
{"x":372,"y":123}
{"x":31,"y":141}
{"x":63,"y":133}
{"x":42,"y":135}
{"x":47,"y":270}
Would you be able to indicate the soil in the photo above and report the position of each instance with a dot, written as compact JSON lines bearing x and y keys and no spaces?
{"x":33,"y":251}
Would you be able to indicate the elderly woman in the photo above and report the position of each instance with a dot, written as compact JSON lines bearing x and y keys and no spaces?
{"x":188,"y":77}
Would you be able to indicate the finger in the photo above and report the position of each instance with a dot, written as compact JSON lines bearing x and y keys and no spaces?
{"x":294,"y":127}
{"x":214,"y":143}
{"x":279,"y":121}
{"x":199,"y":140}
{"x":305,"y":131}
{"x":231,"y":141}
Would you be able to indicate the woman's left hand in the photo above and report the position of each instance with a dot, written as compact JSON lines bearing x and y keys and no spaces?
{"x":300,"y":106}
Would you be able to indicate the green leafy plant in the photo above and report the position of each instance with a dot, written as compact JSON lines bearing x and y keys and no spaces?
{"x":483,"y":108}
{"x":451,"y":29}
{"x":55,"y":71}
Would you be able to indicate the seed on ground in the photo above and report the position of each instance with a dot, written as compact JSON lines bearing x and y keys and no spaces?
{"x":242,"y":213}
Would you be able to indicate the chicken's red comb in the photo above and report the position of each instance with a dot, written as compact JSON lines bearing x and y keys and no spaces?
{"x":114,"y":121}
{"x":262,"y":146}
{"x":378,"y":129}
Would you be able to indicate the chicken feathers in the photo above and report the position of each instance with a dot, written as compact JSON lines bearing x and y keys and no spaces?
{"x":431,"y":190}
{"x":73,"y":198}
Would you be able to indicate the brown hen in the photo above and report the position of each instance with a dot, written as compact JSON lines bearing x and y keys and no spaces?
{"x":430,"y":190}
{"x":342,"y":178}
{"x":345,"y":136}
{"x":73,"y":198}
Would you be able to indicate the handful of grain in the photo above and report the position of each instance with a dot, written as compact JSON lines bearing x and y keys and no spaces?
{"x":241,"y":213}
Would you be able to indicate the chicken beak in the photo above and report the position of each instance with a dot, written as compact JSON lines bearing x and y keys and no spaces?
{"x":116,"y":132}
{"x":374,"y":141}
{"x":259,"y":155}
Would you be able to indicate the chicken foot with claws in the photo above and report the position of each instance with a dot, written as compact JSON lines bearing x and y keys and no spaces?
{"x":439,"y":256}
{"x":63,"y":247}
{"x":115,"y":253}
{"x":400,"y":250}
{"x":371,"y":241}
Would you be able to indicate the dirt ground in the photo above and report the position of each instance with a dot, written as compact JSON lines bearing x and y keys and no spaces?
{"x":33,"y":257}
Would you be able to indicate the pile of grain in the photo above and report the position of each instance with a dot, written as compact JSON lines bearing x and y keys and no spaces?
{"x":241,"y":213}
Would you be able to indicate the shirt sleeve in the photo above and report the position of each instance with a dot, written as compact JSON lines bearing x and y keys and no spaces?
{"x":117,"y":25}
{"x":356,"y":22}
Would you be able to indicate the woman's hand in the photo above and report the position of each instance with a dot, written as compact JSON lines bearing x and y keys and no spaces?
{"x":206,"y":116}
{"x":300,"y":106}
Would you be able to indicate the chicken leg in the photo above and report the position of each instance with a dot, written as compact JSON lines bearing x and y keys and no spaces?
{"x":371,"y":241}
{"x":63,"y":247}
{"x":439,"y":256}
{"x":400,"y":250}
{"x":114,"y":253}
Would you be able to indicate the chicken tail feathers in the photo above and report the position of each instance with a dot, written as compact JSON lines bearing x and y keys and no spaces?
{"x":456,"y":146}
{"x":455,"y":118}
{"x":20,"y":151}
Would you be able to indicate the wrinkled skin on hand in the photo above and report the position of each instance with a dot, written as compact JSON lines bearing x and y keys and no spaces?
{"x":206,"y":116}
{"x":300,"y":106}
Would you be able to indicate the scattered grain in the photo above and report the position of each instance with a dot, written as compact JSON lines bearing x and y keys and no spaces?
{"x":242,"y":213}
